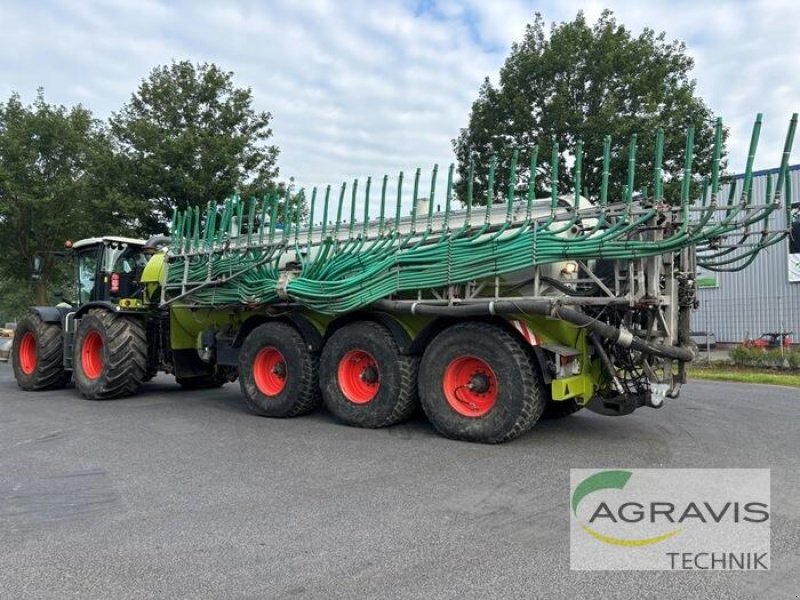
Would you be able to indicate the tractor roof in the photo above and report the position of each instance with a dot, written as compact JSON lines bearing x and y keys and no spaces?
{"x":108,"y":238}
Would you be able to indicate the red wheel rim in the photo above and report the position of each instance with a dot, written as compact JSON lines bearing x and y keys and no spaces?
{"x":28,"y":357}
{"x":359,"y":377}
{"x":92,"y":355}
{"x":269,"y":371}
{"x":470,"y":386}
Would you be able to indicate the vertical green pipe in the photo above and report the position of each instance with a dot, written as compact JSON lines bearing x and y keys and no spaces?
{"x":287,"y":218}
{"x":366,"y":205}
{"x":300,"y":201}
{"x":705,"y":188}
{"x":273,"y":219}
{"x":223,"y":220}
{"x":769,"y":191}
{"x":715,"y":161}
{"x":658,"y":179}
{"x":206,"y":224}
{"x":532,"y":182}
{"x":399,"y":200}
{"x":512,"y":184}
{"x":196,"y":233}
{"x":751,"y":156}
{"x":325,"y":206}
{"x":490,"y":187}
{"x":187,"y":229}
{"x":448,"y":195}
{"x":352,"y":208}
{"x":262,"y":222}
{"x":383,"y":204}
{"x":732,"y":190}
{"x":414,"y":202}
{"x":470,"y":186}
{"x":787,"y":149}
{"x":311,"y":214}
{"x":687,"y":167}
{"x":606,"y":167}
{"x":554,"y":177}
{"x":251,"y":220}
{"x":631,"y":168}
{"x":578,"y":175}
{"x":338,"y":223}
{"x":211,"y":225}
{"x":787,"y":201}
{"x":432,"y":195}
{"x":239,"y":216}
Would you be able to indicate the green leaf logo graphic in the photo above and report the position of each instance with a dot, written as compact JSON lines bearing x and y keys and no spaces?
{"x":599,"y":481}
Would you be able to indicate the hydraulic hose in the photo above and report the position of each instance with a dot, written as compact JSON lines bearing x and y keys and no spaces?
{"x":539,"y":307}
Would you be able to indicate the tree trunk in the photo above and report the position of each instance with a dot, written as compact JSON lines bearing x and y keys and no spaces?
{"x":40,"y":291}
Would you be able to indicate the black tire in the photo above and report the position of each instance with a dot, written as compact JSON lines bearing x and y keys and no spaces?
{"x":277,"y":372}
{"x":561,"y":408}
{"x":367,"y":349}
{"x":508,"y":400}
{"x":41,"y":347}
{"x":110,"y":355}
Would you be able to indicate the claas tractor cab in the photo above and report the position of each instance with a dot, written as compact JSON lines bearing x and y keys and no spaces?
{"x":115,"y":334}
{"x":110,"y":269}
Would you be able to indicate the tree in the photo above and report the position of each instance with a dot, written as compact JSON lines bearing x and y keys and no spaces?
{"x":583,"y":82}
{"x":56,"y":183}
{"x":188,"y":136}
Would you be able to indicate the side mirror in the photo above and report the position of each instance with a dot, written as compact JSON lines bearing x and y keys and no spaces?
{"x":36,"y":267}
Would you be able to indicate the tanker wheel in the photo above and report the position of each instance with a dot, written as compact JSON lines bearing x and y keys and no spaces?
{"x":38,"y":355}
{"x":110,"y":355}
{"x":277,"y":372}
{"x":477,"y":383}
{"x":365,"y":380}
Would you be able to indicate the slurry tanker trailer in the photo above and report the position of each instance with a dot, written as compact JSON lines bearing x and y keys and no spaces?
{"x":490,"y":314}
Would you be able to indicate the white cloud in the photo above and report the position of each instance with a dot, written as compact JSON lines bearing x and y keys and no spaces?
{"x":363,"y":88}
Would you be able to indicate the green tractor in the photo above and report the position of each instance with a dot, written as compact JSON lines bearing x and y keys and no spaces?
{"x":117,"y":334}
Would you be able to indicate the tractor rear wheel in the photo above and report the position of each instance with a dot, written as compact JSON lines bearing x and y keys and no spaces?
{"x":277,"y":372}
{"x":38,"y":355}
{"x":110,"y":355}
{"x":478,"y":383}
{"x":364,"y":378}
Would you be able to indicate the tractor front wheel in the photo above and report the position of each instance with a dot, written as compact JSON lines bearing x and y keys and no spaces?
{"x":38,"y":355}
{"x":110,"y":355}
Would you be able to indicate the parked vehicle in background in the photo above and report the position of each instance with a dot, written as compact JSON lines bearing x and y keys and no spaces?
{"x":771,"y":340}
{"x":6,"y":341}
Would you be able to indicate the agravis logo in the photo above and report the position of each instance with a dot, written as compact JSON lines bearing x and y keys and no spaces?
{"x":610,"y":480}
{"x":670,"y":519}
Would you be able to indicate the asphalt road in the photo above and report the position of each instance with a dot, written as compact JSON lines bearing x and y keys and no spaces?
{"x":176,"y":494}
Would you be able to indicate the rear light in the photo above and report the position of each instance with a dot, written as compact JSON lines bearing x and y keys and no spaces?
{"x":114,"y":283}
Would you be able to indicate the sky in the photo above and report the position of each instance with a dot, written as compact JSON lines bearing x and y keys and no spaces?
{"x":361,"y":88}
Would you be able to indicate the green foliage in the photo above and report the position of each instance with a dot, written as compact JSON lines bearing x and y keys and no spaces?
{"x":189,"y":136}
{"x":56,"y":183}
{"x":767,"y":359}
{"x":582,"y":82}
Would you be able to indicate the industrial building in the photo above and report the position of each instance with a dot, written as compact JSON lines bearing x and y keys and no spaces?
{"x":764,"y":297}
